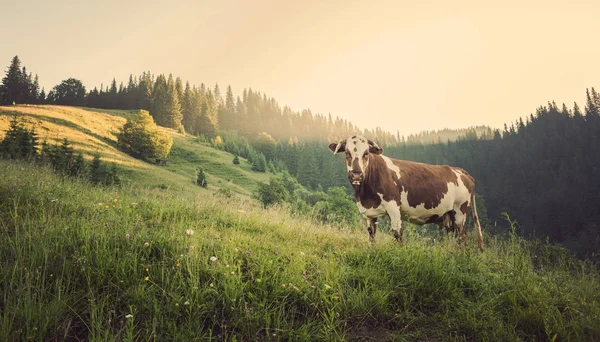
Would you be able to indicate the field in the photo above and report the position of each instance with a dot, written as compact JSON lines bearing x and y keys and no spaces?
{"x":145,"y":262}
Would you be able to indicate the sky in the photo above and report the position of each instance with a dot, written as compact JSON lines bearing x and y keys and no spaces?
{"x":404,"y":66}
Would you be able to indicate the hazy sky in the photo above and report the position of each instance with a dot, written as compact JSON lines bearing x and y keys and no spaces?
{"x":402,"y":65}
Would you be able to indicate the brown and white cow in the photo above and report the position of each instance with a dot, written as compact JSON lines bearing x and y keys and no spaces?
{"x":420,"y":193}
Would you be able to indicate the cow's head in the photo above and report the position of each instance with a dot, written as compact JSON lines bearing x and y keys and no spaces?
{"x":357,"y":151}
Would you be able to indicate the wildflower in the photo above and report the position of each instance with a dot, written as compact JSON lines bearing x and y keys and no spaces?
{"x":213,"y":258}
{"x":186,"y":248}
{"x":337,"y":294}
{"x":127,"y":236}
{"x":176,"y":304}
{"x":283,"y":286}
{"x":195,"y":287}
{"x":51,"y":275}
{"x":232,"y":272}
{"x":187,"y":302}
{"x":147,"y":278}
{"x":211,"y":285}
{"x":177,"y":265}
{"x":302,"y":253}
{"x":100,"y":204}
{"x":146,"y":244}
{"x":54,"y":200}
{"x":227,"y":265}
{"x":189,"y":232}
{"x":129,"y":316}
{"x":107,"y":206}
{"x":276,"y":253}
{"x":115,"y":200}
{"x":327,"y":286}
{"x":248,"y":251}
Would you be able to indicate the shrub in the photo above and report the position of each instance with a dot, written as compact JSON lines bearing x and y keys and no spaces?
{"x":140,"y":138}
{"x":201,"y":178}
{"x":19,"y":142}
{"x":272,"y":193}
{"x":236,"y":160}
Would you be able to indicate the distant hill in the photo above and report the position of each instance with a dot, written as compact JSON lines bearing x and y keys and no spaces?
{"x":95,"y":131}
{"x":446,"y":134}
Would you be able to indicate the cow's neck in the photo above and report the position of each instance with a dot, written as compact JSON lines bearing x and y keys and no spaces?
{"x":369,"y":186}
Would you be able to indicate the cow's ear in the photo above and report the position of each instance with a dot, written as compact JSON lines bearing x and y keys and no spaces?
{"x":339,"y":147}
{"x":374,"y":148}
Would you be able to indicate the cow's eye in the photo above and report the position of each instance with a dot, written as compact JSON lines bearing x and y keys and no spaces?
{"x":366,"y":153}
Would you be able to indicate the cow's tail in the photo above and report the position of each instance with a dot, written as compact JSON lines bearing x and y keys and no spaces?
{"x":476,"y":221}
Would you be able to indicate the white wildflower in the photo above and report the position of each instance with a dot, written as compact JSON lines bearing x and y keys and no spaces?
{"x":189,"y":232}
{"x":129,"y":316}
{"x":213,"y":258}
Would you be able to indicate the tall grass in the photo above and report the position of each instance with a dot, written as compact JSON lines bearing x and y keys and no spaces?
{"x":102,"y":264}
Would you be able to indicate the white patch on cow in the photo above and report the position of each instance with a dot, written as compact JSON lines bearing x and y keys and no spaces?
{"x":452,"y":200}
{"x":391,"y":165}
{"x":361,"y":145}
{"x":371,"y":212}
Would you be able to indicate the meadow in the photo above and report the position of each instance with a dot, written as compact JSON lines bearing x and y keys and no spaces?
{"x":160,"y":259}
{"x":135,"y":263}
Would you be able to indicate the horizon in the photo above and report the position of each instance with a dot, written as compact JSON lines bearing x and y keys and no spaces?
{"x":405,"y":68}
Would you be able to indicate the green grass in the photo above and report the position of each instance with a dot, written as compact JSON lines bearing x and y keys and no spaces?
{"x":103,"y":264}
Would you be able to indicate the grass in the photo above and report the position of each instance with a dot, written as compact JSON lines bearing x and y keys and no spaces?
{"x":121,"y":264}
{"x":95,"y":131}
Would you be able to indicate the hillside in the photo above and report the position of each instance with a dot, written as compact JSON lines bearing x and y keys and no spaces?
{"x":85,"y":263}
{"x":94,"y":131}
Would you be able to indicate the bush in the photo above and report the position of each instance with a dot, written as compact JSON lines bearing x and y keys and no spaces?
{"x":273,"y":193}
{"x":259,"y":163}
{"x":201,"y":178}
{"x":236,"y":160}
{"x":140,"y":138}
{"x":19,"y":142}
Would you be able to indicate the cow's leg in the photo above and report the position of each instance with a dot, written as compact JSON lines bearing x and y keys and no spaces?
{"x":372,"y":228}
{"x":393,"y":211}
{"x":459,"y":223}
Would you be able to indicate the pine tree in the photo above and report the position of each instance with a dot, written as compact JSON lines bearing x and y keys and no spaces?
{"x":207,"y":123}
{"x":42,"y":97}
{"x":173,"y":106}
{"x":159,"y":109}
{"x":11,"y":89}
{"x":19,"y":142}
{"x":591,"y":105}
{"x":144,"y":95}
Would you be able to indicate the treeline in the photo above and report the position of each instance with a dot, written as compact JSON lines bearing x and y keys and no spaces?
{"x":542,"y":170}
{"x":197,"y":109}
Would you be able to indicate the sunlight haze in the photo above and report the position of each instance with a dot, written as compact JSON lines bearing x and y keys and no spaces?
{"x":398,"y":65}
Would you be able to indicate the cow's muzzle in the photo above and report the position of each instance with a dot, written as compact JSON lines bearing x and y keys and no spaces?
{"x":355,"y":177}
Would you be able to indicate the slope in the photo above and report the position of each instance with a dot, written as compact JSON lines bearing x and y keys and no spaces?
{"x":95,"y":131}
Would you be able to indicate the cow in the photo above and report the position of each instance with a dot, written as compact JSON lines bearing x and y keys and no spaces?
{"x":420,"y":193}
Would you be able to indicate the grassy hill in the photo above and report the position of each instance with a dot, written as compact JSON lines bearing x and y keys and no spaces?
{"x":94,"y":131}
{"x":145,"y":262}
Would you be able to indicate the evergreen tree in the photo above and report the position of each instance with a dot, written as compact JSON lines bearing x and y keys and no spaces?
{"x":173,"y":105}
{"x":145,"y":88}
{"x":19,"y":142}
{"x":160,"y":102}
{"x":207,"y":124}
{"x":11,"y":89}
